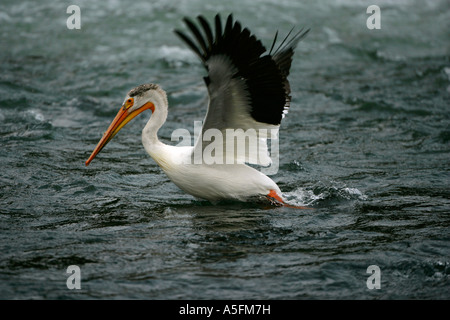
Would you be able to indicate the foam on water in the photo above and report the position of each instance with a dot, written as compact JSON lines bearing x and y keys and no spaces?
{"x":316,"y":195}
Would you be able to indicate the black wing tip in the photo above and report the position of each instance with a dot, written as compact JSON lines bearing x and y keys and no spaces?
{"x":265,"y":74}
{"x":299,"y":36}
{"x":285,"y":51}
{"x":231,"y":26}
{"x":289,"y":42}
{"x":198,"y":43}
{"x":189,"y":43}
{"x":230,"y":36}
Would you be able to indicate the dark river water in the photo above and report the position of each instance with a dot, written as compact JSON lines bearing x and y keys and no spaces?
{"x":366,"y":145}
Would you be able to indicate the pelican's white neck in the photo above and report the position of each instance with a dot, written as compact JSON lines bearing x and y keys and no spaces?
{"x":159,"y":99}
{"x":150,"y":132}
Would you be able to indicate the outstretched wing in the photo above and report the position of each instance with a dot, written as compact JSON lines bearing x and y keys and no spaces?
{"x":249,"y":91}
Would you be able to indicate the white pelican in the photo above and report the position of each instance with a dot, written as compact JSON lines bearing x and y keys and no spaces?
{"x":248,"y":89}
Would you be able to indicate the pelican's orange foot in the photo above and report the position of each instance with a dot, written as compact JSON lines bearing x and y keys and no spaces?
{"x":276,"y":200}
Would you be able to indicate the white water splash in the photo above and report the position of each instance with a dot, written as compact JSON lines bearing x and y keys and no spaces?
{"x":310,"y":197}
{"x":35,"y":114}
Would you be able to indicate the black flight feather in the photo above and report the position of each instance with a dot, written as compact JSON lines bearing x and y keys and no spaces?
{"x":265,"y":76}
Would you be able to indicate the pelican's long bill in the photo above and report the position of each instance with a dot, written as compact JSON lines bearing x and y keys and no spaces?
{"x":125,"y":115}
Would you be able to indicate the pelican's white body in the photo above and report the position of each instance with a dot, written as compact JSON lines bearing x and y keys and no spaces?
{"x":211,"y":182}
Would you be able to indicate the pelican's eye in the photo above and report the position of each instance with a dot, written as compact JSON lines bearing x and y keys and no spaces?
{"x":129,"y":103}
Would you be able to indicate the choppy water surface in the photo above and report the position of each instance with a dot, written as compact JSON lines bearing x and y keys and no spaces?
{"x":366,"y":145}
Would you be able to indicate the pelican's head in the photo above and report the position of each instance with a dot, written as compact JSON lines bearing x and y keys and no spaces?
{"x":137,"y":100}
